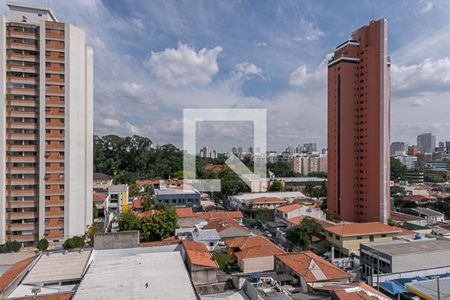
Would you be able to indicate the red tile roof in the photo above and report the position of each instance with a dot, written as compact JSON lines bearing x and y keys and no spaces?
{"x":168,"y":241}
{"x":361,"y":228}
{"x":221,"y":224}
{"x":198,"y":254}
{"x":354,"y":291}
{"x":265,"y":200}
{"x":99,"y":197}
{"x":60,"y":296}
{"x":296,"y":220}
{"x":290,"y":207}
{"x":312,"y":267}
{"x":253,"y":246}
{"x":214,"y":168}
{"x":9,"y":275}
{"x":147,"y":213}
{"x":147,"y":182}
{"x":184,"y":212}
{"x":220,"y":214}
{"x":242,"y":243}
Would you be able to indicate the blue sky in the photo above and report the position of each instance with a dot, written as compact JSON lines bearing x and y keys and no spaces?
{"x":154,"y":58}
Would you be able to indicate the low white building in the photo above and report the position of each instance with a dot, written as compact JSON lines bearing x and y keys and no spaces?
{"x":237,"y":201}
{"x":291,"y":211}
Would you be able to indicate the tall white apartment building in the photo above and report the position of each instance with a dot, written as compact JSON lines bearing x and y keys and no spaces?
{"x":46,"y":127}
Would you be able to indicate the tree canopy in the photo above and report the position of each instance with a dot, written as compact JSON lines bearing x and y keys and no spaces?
{"x":398,"y":171}
{"x":301,"y":235}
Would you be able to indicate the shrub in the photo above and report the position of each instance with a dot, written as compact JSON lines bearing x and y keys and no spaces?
{"x":42,"y":245}
{"x":74,"y":242}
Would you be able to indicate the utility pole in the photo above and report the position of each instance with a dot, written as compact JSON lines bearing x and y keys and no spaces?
{"x":438,"y":290}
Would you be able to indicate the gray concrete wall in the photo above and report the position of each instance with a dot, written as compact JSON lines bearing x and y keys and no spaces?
{"x":116,"y":240}
{"x":420,"y":261}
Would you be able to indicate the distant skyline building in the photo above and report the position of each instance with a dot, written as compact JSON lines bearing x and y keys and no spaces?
{"x":426,"y":143}
{"x":46,"y":127}
{"x":359,"y":126}
{"x":398,"y":148}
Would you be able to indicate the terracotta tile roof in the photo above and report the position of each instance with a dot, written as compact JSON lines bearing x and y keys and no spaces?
{"x":214,"y":168}
{"x":355,"y":291}
{"x":289,"y":208}
{"x":168,"y":241}
{"x":361,"y":228}
{"x":237,"y":214}
{"x":147,"y":213}
{"x":198,"y":254}
{"x":265,"y":200}
{"x":137,"y":203}
{"x":253,"y":246}
{"x":312,"y":267}
{"x":99,"y":197}
{"x":221,"y":224}
{"x":242,"y":243}
{"x":296,"y":220}
{"x":184,"y":212}
{"x":147,"y":182}
{"x":9,"y":275}
{"x":60,"y":296}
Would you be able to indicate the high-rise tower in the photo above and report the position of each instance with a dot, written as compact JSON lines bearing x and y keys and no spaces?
{"x":46,"y":127}
{"x":359,"y":126}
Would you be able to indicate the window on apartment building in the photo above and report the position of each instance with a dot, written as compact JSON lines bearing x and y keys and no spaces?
{"x":47,"y":209}
{"x":61,"y":186}
{"x":61,"y":43}
{"x":61,"y":165}
{"x":47,"y":197}
{"x":47,"y":186}
{"x":371,"y":238}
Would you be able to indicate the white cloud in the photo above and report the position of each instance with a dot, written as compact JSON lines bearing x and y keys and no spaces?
{"x":427,"y":7}
{"x":425,"y":78}
{"x":112,"y":123}
{"x":184,"y":66}
{"x":246,"y":69}
{"x":310,"y":79}
{"x":307,"y":31}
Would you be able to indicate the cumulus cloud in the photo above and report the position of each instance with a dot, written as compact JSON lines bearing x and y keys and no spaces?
{"x":246,"y":69}
{"x":427,"y":77}
{"x":184,"y":66}
{"x":307,"y":31}
{"x":311,"y":79}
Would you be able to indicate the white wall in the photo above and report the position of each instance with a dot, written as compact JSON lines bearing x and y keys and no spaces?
{"x":78,"y":128}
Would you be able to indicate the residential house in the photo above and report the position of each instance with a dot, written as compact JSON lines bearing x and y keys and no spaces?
{"x":102,"y":182}
{"x":200,"y":264}
{"x":227,"y":228}
{"x":265,"y":203}
{"x":309,"y":270}
{"x":100,"y":201}
{"x":254,"y":253}
{"x":118,"y":199}
{"x":209,"y":237}
{"x":287,"y":213}
{"x":345,"y":239}
{"x":357,"y":290}
{"x":188,"y":219}
{"x":178,"y":197}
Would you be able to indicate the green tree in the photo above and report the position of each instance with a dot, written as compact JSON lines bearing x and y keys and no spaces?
{"x":133,"y":190}
{"x":309,"y":189}
{"x":158,"y":226}
{"x":318,"y":174}
{"x":128,"y":221}
{"x":42,"y":245}
{"x":301,"y":235}
{"x":91,"y":233}
{"x":276,"y":186}
{"x":94,"y":211}
{"x":74,"y":242}
{"x":398,"y":171}
{"x":282,"y":169}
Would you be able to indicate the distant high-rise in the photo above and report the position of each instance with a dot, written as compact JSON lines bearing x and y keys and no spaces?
{"x":426,"y":143}
{"x":398,"y":148}
{"x":45,"y":127}
{"x":359,"y":126}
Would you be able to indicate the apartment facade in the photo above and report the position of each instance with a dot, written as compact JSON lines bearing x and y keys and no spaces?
{"x":359,"y":126}
{"x":46,"y":127}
